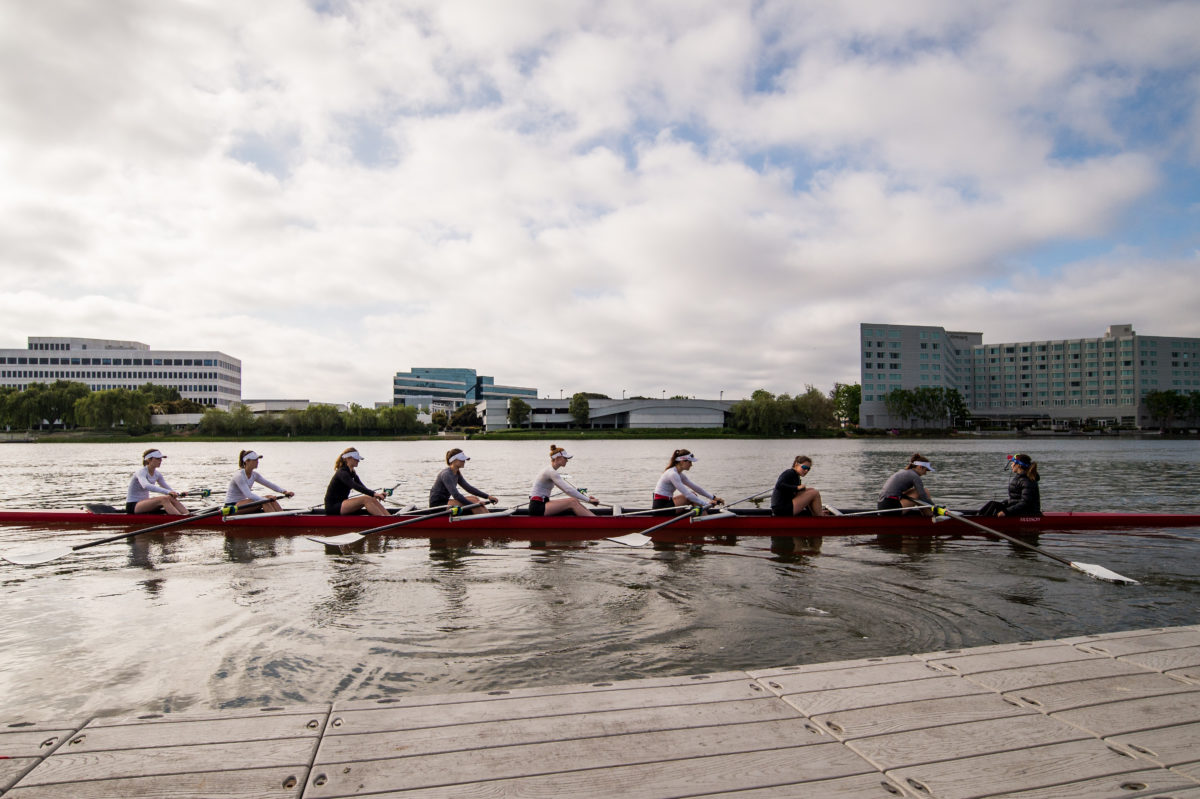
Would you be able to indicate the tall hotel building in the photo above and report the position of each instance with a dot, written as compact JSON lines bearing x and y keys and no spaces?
{"x":1058,"y":382}
{"x":208,"y":377}
{"x":444,"y":389}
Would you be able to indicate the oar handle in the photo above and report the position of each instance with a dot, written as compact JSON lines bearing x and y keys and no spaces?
{"x":956,"y":515}
{"x":414,"y":520}
{"x":690,"y":514}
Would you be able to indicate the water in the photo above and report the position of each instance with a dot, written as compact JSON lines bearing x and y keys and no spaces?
{"x":198,"y":620}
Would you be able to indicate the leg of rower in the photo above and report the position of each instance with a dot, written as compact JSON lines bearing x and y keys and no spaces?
{"x":557,"y":506}
{"x":807,"y":499}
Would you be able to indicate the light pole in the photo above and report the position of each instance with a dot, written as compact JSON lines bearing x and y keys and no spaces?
{"x":664,"y":393}
{"x":560,"y":391}
{"x":722,"y":395}
{"x":622,"y":393}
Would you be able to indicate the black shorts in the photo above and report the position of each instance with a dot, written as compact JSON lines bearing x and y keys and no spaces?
{"x":131,"y":507}
{"x":537,"y":507}
{"x":662,"y":504}
{"x":333,"y":509}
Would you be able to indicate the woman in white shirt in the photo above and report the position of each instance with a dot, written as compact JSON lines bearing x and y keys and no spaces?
{"x":674,"y":487}
{"x":241,"y":487}
{"x":544,"y":484}
{"x":149,"y":480}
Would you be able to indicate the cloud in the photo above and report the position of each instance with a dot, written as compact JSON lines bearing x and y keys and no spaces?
{"x":696,"y":197}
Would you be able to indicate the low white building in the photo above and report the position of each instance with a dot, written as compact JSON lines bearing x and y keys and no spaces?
{"x":208,"y":377}
{"x":549,"y":414}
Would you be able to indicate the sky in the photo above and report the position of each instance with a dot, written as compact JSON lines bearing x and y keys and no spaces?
{"x":639,"y":196}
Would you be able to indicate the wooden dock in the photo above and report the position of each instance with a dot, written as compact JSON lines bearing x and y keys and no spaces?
{"x":1114,"y":715}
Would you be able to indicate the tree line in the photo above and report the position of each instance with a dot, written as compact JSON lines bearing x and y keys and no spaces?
{"x":318,"y":419}
{"x":933,"y":407}
{"x":1170,"y":408}
{"x":766,"y":414}
{"x":69,"y":404}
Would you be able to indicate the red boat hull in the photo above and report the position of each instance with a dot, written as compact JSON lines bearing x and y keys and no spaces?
{"x":573,"y":528}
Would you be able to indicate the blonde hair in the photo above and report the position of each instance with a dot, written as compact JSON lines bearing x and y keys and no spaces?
{"x":340,"y":462}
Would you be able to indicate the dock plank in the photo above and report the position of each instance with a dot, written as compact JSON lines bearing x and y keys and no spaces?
{"x":188,"y":732}
{"x":1138,"y":644}
{"x":1159,"y":784}
{"x":1012,"y":658}
{"x":250,"y":784}
{"x":906,"y":671}
{"x":1065,"y":696}
{"x":1133,"y":715}
{"x":1167,"y":746}
{"x":851,"y":724}
{"x":1024,"y":677}
{"x":509,"y":732}
{"x":865,"y":786}
{"x":809,"y":668}
{"x":864,"y":696}
{"x":1021,"y":770}
{"x":1166,"y":659}
{"x":958,"y":741}
{"x":23,"y":744}
{"x":538,"y":705}
{"x":714,"y":773}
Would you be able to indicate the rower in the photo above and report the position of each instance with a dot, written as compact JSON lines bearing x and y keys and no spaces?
{"x":445,"y":487}
{"x":904,"y":489}
{"x":338,"y":501}
{"x":241,"y":487}
{"x":791,"y":497}
{"x":540,"y":503}
{"x":674,"y":488}
{"x":147,"y":480}
{"x":1024,"y":494}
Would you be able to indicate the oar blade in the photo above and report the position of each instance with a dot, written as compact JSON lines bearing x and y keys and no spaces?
{"x":631,"y":539}
{"x":336,"y":541}
{"x":36,"y":558}
{"x":1101,"y":573}
{"x":479,"y":517}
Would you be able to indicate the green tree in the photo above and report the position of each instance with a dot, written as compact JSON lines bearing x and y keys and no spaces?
{"x":466,"y":416}
{"x":215,"y":422}
{"x":580,"y":409}
{"x":114,"y":407}
{"x":29,"y":407}
{"x":158,"y":394}
{"x":400,"y":420}
{"x":813,"y":410}
{"x":519,"y":412}
{"x":899,"y":404}
{"x":763,"y":414}
{"x":7,"y":397}
{"x":59,"y":401}
{"x":361,"y":419}
{"x":956,"y":408}
{"x":846,"y":400}
{"x":439,"y":419}
{"x":1165,"y":406}
{"x":241,"y":419}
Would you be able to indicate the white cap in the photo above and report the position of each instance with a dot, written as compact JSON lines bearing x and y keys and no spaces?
{"x":562,"y":453}
{"x":691,"y":458}
{"x":352,"y":454}
{"x":251,"y":456}
{"x":925,"y":464}
{"x":153,"y":454}
{"x":458,"y":456}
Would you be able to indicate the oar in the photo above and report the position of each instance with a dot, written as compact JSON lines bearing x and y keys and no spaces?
{"x":47,"y":555}
{"x":255,"y":517}
{"x":335,"y":543}
{"x":1090,"y":569}
{"x":643,"y":538}
{"x":877,"y":512}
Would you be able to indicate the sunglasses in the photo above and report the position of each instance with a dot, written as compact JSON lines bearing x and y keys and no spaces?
{"x":806,"y":466}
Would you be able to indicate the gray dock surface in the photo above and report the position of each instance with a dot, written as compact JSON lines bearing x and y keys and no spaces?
{"x":1114,"y":715}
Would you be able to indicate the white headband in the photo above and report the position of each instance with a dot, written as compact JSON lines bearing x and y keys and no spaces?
{"x":691,"y":458}
{"x":251,"y":456}
{"x":925,"y":464}
{"x":153,"y":454}
{"x":562,"y":454}
{"x":352,"y":454}
{"x":458,"y":456}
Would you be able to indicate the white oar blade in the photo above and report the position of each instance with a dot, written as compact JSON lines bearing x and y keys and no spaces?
{"x":478,"y":517}
{"x":36,"y":558}
{"x":631,"y":540}
{"x":1101,"y":573}
{"x":343,"y":540}
{"x":725,"y":514}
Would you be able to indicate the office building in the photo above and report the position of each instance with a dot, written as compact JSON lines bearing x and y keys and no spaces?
{"x":1047,"y":383}
{"x":548,"y":414}
{"x":446,"y":389}
{"x":208,"y":377}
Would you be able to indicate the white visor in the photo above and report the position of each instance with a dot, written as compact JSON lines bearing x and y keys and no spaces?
{"x":563,"y":454}
{"x":458,"y":456}
{"x":352,"y":454}
{"x":691,"y":458}
{"x":154,"y":454}
{"x":251,"y":456}
{"x":925,"y":464}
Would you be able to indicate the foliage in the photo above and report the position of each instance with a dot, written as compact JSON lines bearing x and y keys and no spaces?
{"x":934,"y":407}
{"x":846,"y":399}
{"x":765,"y":414}
{"x":519,"y":412}
{"x":466,"y":416}
{"x":114,"y":407}
{"x":1168,"y":407}
{"x":158,"y":394}
{"x":440,"y":419}
{"x":593,"y":395}
{"x":580,"y":409}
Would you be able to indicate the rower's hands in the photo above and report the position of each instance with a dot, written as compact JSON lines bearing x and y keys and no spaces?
{"x":718,"y":501}
{"x":380,"y":495}
{"x":289,"y":494}
{"x":492,"y":500}
{"x":593,"y":500}
{"x":1001,"y":513}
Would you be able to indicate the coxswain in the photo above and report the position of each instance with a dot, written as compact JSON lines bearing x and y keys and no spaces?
{"x":1024,"y":495}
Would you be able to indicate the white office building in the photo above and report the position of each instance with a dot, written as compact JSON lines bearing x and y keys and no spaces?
{"x":548,"y":414}
{"x":208,"y":377}
{"x":1048,"y":383}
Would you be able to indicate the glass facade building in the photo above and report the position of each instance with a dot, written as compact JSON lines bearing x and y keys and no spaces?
{"x":441,"y":388}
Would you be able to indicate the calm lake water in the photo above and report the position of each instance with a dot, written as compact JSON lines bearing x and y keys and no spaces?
{"x":199,"y":620}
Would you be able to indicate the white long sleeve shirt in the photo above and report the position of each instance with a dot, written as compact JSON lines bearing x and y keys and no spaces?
{"x":545,"y":482}
{"x":143,"y":483}
{"x":673,"y":480}
{"x":242,"y":486}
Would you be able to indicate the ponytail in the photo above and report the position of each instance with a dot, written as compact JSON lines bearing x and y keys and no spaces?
{"x":916,"y":456}
{"x":1031,"y":471}
{"x":555,"y":449}
{"x":674,"y":457}
{"x":242,"y":458}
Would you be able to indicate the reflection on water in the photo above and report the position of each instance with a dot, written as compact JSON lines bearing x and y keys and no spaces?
{"x":185,"y":619}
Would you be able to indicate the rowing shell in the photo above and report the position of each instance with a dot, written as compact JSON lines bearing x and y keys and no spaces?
{"x":516,"y":526}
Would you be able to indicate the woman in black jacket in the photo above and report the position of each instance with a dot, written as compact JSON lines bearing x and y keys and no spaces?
{"x":1024,"y":496}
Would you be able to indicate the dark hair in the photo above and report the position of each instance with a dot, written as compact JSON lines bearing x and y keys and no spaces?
{"x":451,"y":454}
{"x":146,"y":460}
{"x":916,"y":456}
{"x":1031,"y":471}
{"x":677,"y":453}
{"x":242,"y":456}
{"x":801,"y":459}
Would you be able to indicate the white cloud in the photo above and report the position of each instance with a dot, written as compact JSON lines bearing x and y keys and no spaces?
{"x":696,"y":197}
